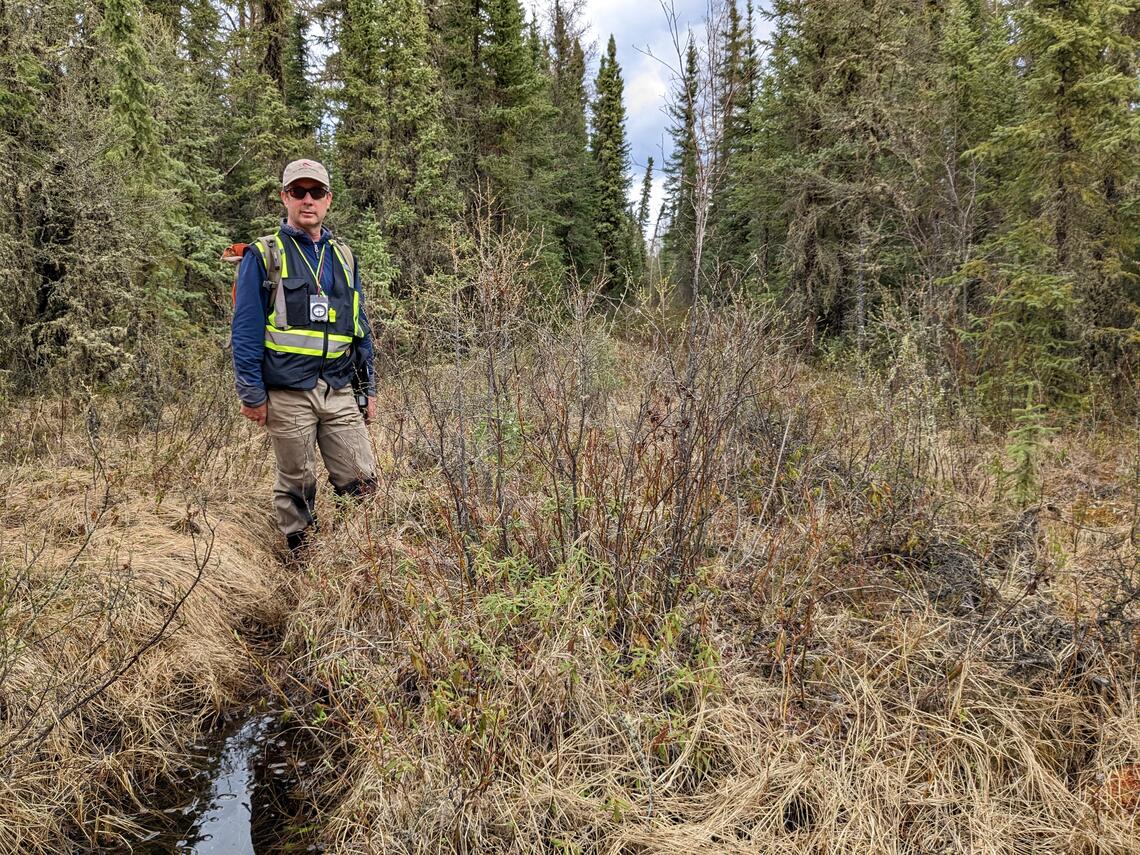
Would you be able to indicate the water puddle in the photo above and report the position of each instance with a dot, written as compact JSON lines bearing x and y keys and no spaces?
{"x":239,"y":797}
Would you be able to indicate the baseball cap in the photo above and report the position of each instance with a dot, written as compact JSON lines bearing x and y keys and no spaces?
{"x":305,"y":169}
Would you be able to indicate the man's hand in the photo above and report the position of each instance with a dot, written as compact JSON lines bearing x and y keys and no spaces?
{"x":258,"y":415}
{"x":370,"y":412}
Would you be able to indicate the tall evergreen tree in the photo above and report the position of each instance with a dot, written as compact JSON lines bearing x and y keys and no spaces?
{"x":572,"y":168}
{"x":184,"y":253}
{"x":681,"y":175}
{"x":299,"y":94}
{"x":969,"y":96}
{"x":499,"y":114}
{"x":610,"y":149}
{"x":735,"y":77}
{"x":512,"y":141}
{"x":275,"y":40}
{"x":35,"y":251}
{"x":201,"y":37}
{"x":460,"y":44}
{"x":259,"y":137}
{"x":643,"y":202}
{"x":132,"y":92}
{"x":1057,"y":271}
{"x":1072,"y":153}
{"x":838,"y":73}
{"x":390,"y":141}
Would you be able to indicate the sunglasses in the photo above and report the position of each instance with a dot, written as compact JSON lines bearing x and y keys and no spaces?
{"x":301,"y":192}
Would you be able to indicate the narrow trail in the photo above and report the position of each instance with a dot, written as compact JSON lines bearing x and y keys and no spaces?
{"x":140,"y":618}
{"x":239,"y":787}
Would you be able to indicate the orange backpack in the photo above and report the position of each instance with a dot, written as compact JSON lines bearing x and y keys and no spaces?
{"x":233,"y":254}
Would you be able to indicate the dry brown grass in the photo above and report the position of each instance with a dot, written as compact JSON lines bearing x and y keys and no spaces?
{"x":103,"y":682}
{"x":659,"y":593}
{"x":873,"y":651}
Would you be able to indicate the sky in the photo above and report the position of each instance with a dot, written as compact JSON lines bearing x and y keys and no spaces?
{"x":647,"y":57}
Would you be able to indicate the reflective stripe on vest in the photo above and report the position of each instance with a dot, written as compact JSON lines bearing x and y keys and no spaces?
{"x":306,"y":342}
{"x":357,"y":331}
{"x":278,"y":291}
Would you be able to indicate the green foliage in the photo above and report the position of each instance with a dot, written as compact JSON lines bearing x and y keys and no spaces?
{"x":377,"y":270}
{"x":301,"y":97}
{"x":1071,"y":155}
{"x":1026,"y":440}
{"x":736,"y":86}
{"x":643,"y":202}
{"x":611,"y":159}
{"x":390,"y":138}
{"x":573,"y":169}
{"x":681,"y":176}
{"x":499,"y":113}
{"x":132,"y":91}
{"x":1023,"y":339}
{"x":515,"y":148}
{"x":965,"y":170}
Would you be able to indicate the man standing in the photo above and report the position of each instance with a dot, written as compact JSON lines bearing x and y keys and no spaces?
{"x":301,"y":343}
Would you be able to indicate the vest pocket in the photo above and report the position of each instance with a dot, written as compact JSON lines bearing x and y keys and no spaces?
{"x":344,"y":320}
{"x":296,"y":303}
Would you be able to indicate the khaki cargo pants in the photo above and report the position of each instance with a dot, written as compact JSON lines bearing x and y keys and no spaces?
{"x":298,"y":421}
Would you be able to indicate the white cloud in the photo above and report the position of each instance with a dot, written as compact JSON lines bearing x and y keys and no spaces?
{"x":645,"y":87}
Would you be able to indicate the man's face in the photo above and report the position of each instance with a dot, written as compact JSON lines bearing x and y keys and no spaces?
{"x":305,"y":213}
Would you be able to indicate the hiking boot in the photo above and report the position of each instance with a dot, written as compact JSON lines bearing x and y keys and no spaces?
{"x":297,"y":548}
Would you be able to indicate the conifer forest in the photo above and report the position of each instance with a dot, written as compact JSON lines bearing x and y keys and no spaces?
{"x":963,"y":169}
{"x":794,"y":508}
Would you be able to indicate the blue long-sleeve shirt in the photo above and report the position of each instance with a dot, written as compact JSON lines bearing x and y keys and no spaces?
{"x":251,"y":310}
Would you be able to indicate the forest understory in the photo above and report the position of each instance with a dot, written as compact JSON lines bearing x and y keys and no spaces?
{"x":655,"y":586}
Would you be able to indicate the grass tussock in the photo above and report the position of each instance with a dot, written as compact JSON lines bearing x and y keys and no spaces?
{"x":126,"y":565}
{"x":674,"y":592}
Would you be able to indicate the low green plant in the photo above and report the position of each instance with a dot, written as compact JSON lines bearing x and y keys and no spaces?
{"x":1021,"y":479}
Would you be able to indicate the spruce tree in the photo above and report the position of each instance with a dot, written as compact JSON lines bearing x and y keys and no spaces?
{"x":679,"y":243}
{"x":390,"y":144}
{"x":33,"y":250}
{"x":729,"y":212}
{"x":967,"y":93}
{"x":201,"y":37}
{"x":115,"y":247}
{"x":132,"y":92}
{"x":1071,"y":153}
{"x":511,"y":139}
{"x":643,"y":202}
{"x":260,"y":135}
{"x":573,"y":168}
{"x":823,"y":161}
{"x":184,"y":275}
{"x":274,"y":34}
{"x":611,"y":159}
{"x":300,"y":96}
